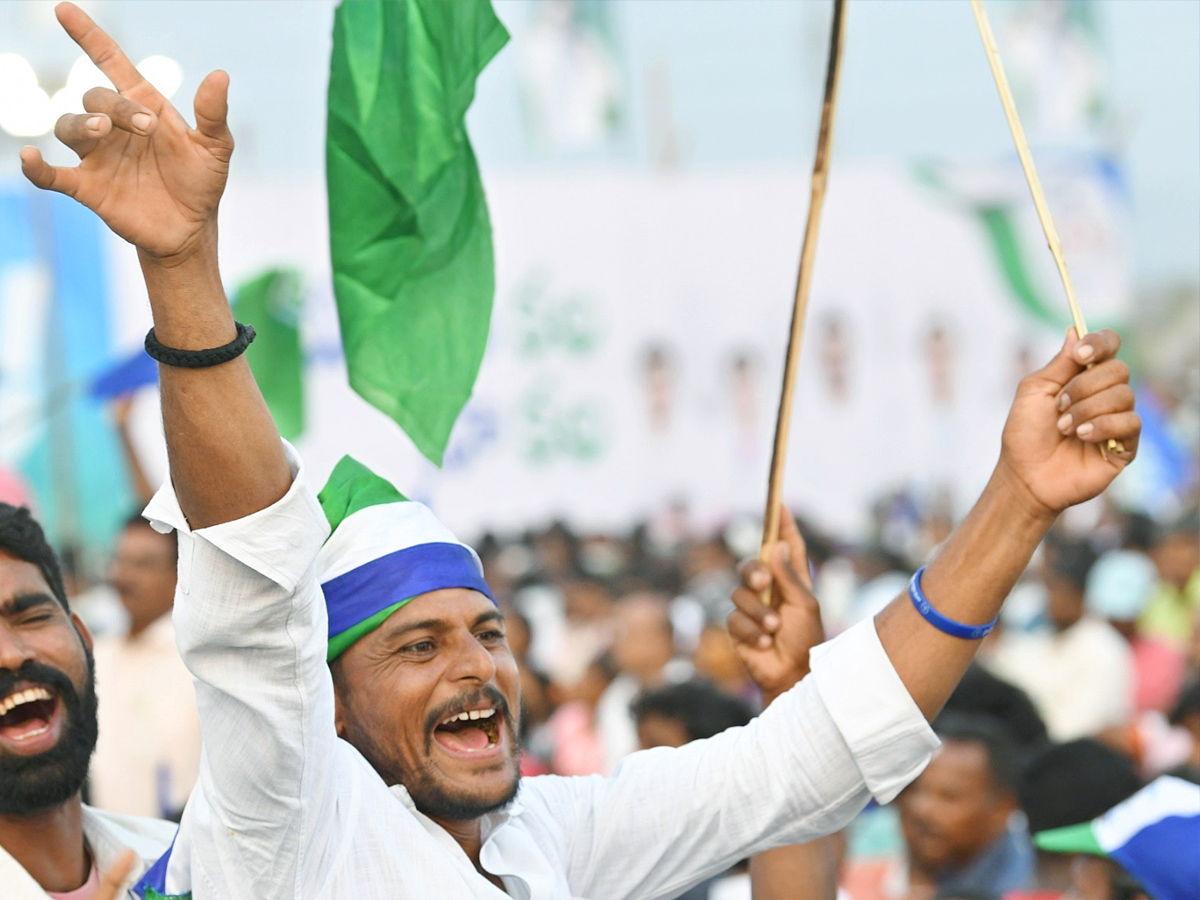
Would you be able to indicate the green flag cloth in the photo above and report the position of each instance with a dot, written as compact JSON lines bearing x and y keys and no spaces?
{"x":271,"y":303}
{"x":410,"y":239}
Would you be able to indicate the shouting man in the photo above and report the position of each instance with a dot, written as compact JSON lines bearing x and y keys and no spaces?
{"x":420,"y":796}
{"x":51,"y":844}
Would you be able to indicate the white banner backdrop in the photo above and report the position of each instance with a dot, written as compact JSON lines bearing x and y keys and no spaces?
{"x":640,"y":325}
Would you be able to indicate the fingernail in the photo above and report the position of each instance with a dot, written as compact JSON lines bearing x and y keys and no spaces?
{"x":1084,"y":430}
{"x":141,"y":121}
{"x":786,"y":552}
{"x":771,"y":621}
{"x":1063,"y":402}
{"x":1064,"y":422}
{"x":95,"y":123}
{"x":1084,"y":352}
{"x":764,"y":642}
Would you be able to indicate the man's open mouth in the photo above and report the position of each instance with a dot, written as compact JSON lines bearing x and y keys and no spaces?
{"x":470,"y":731}
{"x":27,"y":714}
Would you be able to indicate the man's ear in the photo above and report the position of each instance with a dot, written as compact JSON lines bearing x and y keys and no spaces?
{"x":84,"y":634}
{"x":339,"y":705}
{"x":339,"y":711}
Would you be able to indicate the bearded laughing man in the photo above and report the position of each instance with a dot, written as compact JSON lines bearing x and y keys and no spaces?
{"x":366,"y":780}
{"x":51,"y":844}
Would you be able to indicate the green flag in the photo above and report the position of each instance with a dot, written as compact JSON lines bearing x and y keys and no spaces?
{"x":410,"y":239}
{"x":271,"y":302}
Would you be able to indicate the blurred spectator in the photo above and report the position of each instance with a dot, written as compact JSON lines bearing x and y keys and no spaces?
{"x":13,"y":490}
{"x":1065,"y":784}
{"x":1171,"y":612}
{"x":882,"y":576}
{"x":576,"y":747}
{"x":1080,"y":672}
{"x":1119,"y":586}
{"x":1186,"y":715}
{"x":958,"y":818}
{"x":644,"y":651}
{"x":148,"y":754}
{"x":586,"y":632}
{"x":716,"y":660}
{"x":678,"y":714}
{"x":980,"y":693}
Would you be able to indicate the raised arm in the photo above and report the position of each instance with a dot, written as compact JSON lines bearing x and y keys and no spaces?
{"x":249,"y":614}
{"x":157,"y":183}
{"x":1050,"y":459}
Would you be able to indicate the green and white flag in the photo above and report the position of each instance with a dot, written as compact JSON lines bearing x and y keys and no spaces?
{"x":410,"y":238}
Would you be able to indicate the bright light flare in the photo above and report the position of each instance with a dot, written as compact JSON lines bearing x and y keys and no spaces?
{"x":82,"y":78}
{"x":24,"y":105}
{"x":162,"y":72}
{"x":27,"y":110}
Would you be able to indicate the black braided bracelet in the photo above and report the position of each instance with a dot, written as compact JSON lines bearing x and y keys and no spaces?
{"x":200,"y":359}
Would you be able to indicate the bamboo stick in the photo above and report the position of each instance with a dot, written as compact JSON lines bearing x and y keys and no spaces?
{"x":808,"y":251}
{"x":1031,"y":175}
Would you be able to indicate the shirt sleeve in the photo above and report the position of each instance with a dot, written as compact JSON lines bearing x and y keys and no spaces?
{"x":669,"y":818}
{"x":251,"y":627}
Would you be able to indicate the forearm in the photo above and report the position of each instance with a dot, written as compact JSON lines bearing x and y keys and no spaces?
{"x":133,"y":463}
{"x":797,"y":872}
{"x":967,"y":582}
{"x":226,"y":457}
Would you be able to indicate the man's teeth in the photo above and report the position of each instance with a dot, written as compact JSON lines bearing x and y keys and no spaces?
{"x":470,"y":715}
{"x":29,"y":695}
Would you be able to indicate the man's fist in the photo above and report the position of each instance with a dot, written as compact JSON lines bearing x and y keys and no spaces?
{"x":773,"y":641}
{"x":112,"y":880}
{"x":1062,"y":417}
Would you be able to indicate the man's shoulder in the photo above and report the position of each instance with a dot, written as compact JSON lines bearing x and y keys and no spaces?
{"x":1096,"y":635}
{"x":146,"y":837}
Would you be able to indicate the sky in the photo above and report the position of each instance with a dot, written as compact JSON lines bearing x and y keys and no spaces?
{"x":738,"y":83}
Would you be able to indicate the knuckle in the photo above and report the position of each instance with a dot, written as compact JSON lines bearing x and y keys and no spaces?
{"x":95,"y":96}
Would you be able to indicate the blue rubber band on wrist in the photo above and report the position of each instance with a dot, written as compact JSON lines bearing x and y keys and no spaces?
{"x":940,"y":622}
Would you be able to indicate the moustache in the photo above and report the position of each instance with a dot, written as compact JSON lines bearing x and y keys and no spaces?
{"x":458,"y":704}
{"x":31,"y":672}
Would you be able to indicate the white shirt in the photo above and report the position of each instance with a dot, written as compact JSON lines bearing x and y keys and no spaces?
{"x":1081,"y":679}
{"x":148,"y":754}
{"x":107,"y":835}
{"x":286,"y":809}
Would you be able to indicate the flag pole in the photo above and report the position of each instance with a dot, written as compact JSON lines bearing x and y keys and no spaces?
{"x":808,"y":251}
{"x":1031,"y":175}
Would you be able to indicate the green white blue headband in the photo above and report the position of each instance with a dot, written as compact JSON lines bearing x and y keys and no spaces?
{"x":384,"y":550}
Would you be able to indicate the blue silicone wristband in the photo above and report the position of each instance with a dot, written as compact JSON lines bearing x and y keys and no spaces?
{"x":940,"y":622}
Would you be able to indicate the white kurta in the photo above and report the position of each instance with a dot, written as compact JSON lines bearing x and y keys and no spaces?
{"x":148,"y":753}
{"x":285,"y":809}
